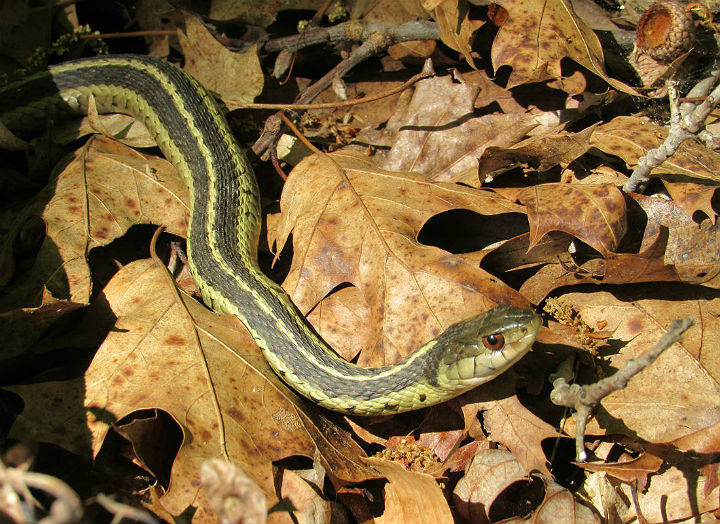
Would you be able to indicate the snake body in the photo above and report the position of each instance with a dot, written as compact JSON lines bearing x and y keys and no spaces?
{"x":223,"y":237}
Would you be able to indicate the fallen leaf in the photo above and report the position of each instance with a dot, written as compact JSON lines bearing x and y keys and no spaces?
{"x":438,"y":135}
{"x":236,"y":77}
{"x":675,"y":495}
{"x":308,"y":506}
{"x":22,"y":328}
{"x":490,"y":473}
{"x":594,"y":214}
{"x":693,"y":197}
{"x":561,"y":507}
{"x":456,"y":27}
{"x":353,"y":223}
{"x":614,"y":268}
{"x":410,"y":496}
{"x":659,"y":392}
{"x":539,"y":34}
{"x":630,"y":471}
{"x":538,"y":152}
{"x":201,"y":368}
{"x":507,"y":422}
{"x":106,"y":188}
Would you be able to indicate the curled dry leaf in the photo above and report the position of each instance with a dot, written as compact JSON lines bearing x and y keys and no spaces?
{"x":538,"y":152}
{"x":438,"y":135}
{"x":216,"y":67}
{"x":674,"y":248}
{"x":673,"y":493}
{"x":692,"y":249}
{"x":456,"y":27}
{"x":603,"y":493}
{"x":354,"y":223}
{"x":487,"y":493}
{"x":308,"y":506}
{"x":692,"y":197}
{"x":122,"y":128}
{"x":22,"y":328}
{"x":648,"y":265}
{"x":410,"y":496}
{"x":506,"y":421}
{"x":490,"y":473}
{"x":561,"y":507}
{"x":632,"y":472}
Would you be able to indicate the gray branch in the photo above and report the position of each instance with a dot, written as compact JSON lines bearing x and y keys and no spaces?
{"x":584,"y":398}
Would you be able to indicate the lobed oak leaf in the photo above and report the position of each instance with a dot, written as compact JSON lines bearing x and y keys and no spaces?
{"x":216,"y":67}
{"x":507,"y":422}
{"x":695,"y":452}
{"x":631,"y":471}
{"x":593,"y":213}
{"x":540,"y":152}
{"x":674,"y":495}
{"x":614,"y":268}
{"x":353,"y":223}
{"x":538,"y":34}
{"x":693,"y":197}
{"x":65,"y":424}
{"x":105,"y":188}
{"x":692,"y":248}
{"x":167,"y":352}
{"x":23,"y":328}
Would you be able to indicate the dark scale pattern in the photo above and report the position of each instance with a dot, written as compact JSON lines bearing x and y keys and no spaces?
{"x":234,"y":183}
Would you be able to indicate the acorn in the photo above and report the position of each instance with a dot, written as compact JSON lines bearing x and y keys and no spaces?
{"x":665,"y":31}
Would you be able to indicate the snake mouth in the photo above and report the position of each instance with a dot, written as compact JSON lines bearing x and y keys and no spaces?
{"x":484,"y":366}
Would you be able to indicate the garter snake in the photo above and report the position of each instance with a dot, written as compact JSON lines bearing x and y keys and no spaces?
{"x":223,"y":236}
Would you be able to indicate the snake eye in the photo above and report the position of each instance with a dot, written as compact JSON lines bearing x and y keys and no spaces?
{"x":494,"y":342}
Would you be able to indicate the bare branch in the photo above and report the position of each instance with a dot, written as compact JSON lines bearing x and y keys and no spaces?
{"x":688,"y":119}
{"x":584,"y":398}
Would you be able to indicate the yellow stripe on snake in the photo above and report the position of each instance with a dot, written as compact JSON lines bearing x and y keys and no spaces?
{"x":223,"y":237}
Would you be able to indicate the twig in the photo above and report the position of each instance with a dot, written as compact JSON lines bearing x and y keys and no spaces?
{"x":687,"y":121}
{"x":122,"y":511}
{"x":15,"y":487}
{"x":273,"y":125}
{"x":427,"y":72}
{"x":583,"y":398}
{"x":375,"y":38}
{"x":354,"y":31}
{"x":128,"y":34}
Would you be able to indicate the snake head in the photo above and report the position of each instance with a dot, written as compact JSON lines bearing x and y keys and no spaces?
{"x":482,"y":347}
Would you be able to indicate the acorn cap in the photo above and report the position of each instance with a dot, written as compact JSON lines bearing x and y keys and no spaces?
{"x":665,"y":31}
